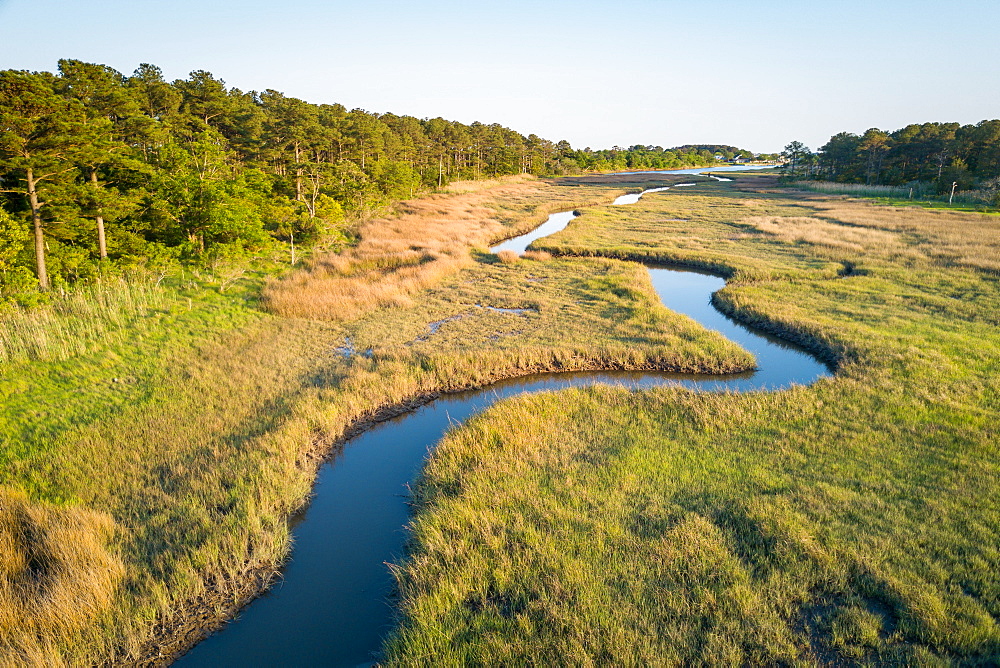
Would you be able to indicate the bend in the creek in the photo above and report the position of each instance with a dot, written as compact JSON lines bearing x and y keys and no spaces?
{"x":557,"y":222}
{"x":554,"y":223}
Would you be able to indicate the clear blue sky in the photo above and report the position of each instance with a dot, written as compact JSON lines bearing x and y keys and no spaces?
{"x":755,"y":74}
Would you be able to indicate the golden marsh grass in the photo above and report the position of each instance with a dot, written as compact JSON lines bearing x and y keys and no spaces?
{"x":508,"y":256}
{"x":59,"y":575}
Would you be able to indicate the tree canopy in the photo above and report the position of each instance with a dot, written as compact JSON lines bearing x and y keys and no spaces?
{"x":937,"y":153}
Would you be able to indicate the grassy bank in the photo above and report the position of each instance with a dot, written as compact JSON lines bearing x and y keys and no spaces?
{"x":151,"y":456}
{"x":854,"y":521}
{"x":923,"y":195}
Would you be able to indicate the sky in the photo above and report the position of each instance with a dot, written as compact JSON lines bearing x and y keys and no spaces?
{"x":754,"y":74}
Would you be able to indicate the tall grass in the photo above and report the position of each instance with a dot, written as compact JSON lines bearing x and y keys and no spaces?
{"x":860,"y":189}
{"x":77,"y":321}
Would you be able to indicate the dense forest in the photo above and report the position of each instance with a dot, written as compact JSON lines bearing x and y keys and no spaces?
{"x":102,"y":172}
{"x":724,"y":150}
{"x":929,"y":156}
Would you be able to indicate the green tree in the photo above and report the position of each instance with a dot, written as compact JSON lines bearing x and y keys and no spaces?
{"x":39,"y":137}
{"x":106,"y":103}
{"x":794,"y":153}
{"x":839,"y":156}
{"x":14,"y":236}
{"x":979,"y":146}
{"x":204,"y":100}
{"x":291,"y":126}
{"x":159,"y":104}
{"x":874,"y":145}
{"x":201,"y":199}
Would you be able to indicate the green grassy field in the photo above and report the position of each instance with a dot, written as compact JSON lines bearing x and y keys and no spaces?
{"x":155,"y":440}
{"x":975,"y":201}
{"x":856,"y":521}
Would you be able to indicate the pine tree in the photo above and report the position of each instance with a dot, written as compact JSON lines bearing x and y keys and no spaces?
{"x":40,"y":133}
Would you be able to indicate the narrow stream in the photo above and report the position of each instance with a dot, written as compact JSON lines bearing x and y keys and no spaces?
{"x":333,"y":604}
{"x":555,"y":223}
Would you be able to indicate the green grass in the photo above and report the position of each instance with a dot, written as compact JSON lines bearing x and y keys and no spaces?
{"x":76,"y":322}
{"x":971,"y":201}
{"x":943,"y":206}
{"x":854,"y":521}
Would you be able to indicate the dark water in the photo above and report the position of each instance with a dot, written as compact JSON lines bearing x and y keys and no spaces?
{"x":333,"y":607}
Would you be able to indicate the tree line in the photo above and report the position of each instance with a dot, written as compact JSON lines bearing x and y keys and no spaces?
{"x":941,"y":156}
{"x":99,"y":170}
{"x":652,"y":157}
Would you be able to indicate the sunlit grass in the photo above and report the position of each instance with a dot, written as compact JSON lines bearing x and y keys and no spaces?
{"x":58,"y":579}
{"x":78,"y":321}
{"x":854,"y":521}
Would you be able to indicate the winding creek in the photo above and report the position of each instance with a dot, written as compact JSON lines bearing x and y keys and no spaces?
{"x":333,"y":605}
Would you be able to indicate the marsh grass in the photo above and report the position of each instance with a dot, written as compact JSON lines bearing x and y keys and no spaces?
{"x":856,"y":189}
{"x":561,"y":314}
{"x":508,"y":256}
{"x":427,"y":240}
{"x":920,"y":193}
{"x":181,"y":437}
{"x":58,"y":576}
{"x":853,"y":522}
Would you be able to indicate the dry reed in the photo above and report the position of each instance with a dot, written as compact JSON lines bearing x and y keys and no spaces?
{"x":508,"y":256}
{"x":57,"y":576}
{"x":398,"y":256}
